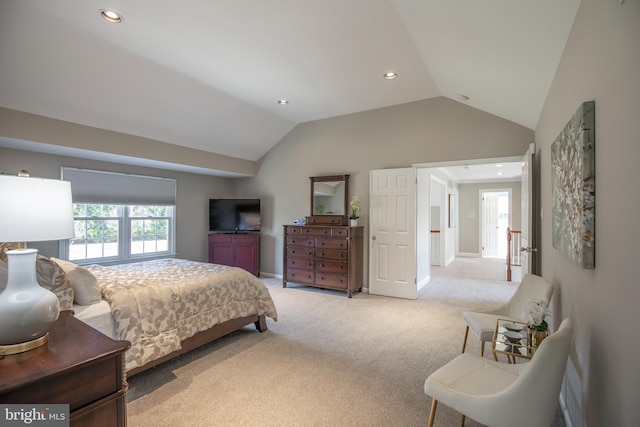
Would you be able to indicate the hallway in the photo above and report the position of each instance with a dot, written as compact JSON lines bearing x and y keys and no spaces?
{"x":473,"y":268}
{"x":472,"y":283}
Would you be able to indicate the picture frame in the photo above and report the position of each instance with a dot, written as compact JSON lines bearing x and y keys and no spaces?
{"x":573,"y":188}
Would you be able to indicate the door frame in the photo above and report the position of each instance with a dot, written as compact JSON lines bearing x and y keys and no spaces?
{"x":435,"y":165}
{"x":481,"y":193}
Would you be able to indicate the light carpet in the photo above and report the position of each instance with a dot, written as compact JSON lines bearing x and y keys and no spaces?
{"x":329,"y":361}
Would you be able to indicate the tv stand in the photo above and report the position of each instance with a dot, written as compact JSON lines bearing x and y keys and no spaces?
{"x":237,"y":249}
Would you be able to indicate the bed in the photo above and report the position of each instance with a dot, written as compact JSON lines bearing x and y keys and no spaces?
{"x":167,"y":307}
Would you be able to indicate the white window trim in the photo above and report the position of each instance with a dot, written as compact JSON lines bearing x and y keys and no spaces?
{"x":124,"y":243}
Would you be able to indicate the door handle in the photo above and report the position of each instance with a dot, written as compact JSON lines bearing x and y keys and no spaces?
{"x":373,"y":237}
{"x":528,"y":249}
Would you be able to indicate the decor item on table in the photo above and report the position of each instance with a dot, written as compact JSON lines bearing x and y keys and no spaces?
{"x":573,"y":187}
{"x":535,"y":312}
{"x":33,"y":209}
{"x":483,"y":324}
{"x":356,"y":206}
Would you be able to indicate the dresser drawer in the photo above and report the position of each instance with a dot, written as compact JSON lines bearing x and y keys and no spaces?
{"x":331,"y":243}
{"x":332,"y":280}
{"x":332,"y":254}
{"x":293,"y":230}
{"x":300,"y":262}
{"x":340,"y":232}
{"x":64,"y":388}
{"x":221,"y":238}
{"x":331,"y":266}
{"x":300,"y":276}
{"x":300,"y":241}
{"x":300,"y":251}
{"x":316,"y":231}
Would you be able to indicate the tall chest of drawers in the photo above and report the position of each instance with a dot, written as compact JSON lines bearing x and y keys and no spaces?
{"x":324,"y":256}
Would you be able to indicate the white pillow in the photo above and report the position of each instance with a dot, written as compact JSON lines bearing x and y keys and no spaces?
{"x":85,"y":285}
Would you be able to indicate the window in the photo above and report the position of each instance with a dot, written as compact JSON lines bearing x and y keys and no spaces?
{"x":149,"y":229}
{"x":120,"y":217}
{"x":118,"y":233}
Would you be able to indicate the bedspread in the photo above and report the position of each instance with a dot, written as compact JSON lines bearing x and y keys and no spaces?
{"x":156,"y":304}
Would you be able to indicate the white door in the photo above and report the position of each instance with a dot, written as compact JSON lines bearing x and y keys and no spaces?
{"x":527,"y":204}
{"x":489,"y":225}
{"x":392,"y":228}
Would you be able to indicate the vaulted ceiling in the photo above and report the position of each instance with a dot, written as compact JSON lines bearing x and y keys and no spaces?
{"x":207,"y":74}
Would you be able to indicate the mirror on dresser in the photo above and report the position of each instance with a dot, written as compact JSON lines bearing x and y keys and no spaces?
{"x":329,"y":199}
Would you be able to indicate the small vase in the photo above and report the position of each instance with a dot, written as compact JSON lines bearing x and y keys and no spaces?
{"x":353,"y":222}
{"x":537,"y":336}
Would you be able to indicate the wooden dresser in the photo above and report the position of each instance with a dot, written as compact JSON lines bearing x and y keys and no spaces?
{"x":79,"y":366}
{"x":324,"y":256}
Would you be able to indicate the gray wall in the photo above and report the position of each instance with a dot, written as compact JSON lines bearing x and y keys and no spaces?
{"x":193,"y":193}
{"x":601,"y":62}
{"x":426,"y":131}
{"x":469,"y":241}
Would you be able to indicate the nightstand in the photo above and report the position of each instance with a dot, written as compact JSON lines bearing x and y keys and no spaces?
{"x":79,"y":366}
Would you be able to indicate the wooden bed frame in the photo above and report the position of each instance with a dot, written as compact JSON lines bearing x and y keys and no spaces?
{"x":204,"y":337}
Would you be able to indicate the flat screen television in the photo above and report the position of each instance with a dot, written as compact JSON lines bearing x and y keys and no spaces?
{"x":234,"y":215}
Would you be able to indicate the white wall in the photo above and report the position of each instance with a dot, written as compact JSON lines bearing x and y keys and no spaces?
{"x":600,"y":62}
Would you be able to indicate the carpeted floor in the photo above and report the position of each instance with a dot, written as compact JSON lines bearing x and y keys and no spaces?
{"x":329,"y":361}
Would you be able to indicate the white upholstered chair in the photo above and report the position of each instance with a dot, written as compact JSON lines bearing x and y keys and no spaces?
{"x":483,"y":324}
{"x":499,"y":394}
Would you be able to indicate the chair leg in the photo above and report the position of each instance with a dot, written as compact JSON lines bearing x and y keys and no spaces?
{"x":432,"y":413}
{"x":481,"y":348}
{"x":464,"y":343}
{"x":463,"y":418}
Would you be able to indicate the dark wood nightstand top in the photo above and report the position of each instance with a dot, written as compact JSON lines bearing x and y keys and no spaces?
{"x":72,"y":346}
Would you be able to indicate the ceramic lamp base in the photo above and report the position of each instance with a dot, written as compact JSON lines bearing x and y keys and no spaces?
{"x":27,"y":310}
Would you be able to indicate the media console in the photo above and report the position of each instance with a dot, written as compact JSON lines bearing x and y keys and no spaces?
{"x":236,"y":249}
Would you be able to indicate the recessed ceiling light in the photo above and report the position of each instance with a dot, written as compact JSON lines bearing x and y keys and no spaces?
{"x":390,"y":75}
{"x":499,"y":165}
{"x":500,"y":173}
{"x":283,"y":102}
{"x":463,"y":98}
{"x":111,"y":16}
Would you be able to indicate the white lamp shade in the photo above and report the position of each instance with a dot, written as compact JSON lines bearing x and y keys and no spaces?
{"x":35,"y":209}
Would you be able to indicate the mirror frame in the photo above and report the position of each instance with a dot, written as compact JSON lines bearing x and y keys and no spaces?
{"x":344,"y":178}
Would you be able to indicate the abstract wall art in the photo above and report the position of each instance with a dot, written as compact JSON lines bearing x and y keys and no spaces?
{"x":573,"y":188}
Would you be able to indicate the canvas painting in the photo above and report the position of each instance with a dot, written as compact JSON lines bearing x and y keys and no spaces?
{"x":573,"y":188}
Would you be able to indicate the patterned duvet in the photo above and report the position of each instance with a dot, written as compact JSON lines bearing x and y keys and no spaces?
{"x":156,"y":304}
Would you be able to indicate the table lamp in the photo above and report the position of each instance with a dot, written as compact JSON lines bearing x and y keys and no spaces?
{"x":31,"y":209}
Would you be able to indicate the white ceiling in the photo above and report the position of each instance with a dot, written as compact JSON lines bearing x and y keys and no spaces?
{"x":207,"y":74}
{"x":485,"y":172}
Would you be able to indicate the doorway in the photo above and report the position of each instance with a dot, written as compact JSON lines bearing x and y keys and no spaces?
{"x":495,"y":209}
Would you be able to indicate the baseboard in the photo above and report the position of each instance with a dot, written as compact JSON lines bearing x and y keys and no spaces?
{"x":468,"y":255}
{"x":424,"y":282}
{"x":570,"y":404}
{"x":270,"y":275}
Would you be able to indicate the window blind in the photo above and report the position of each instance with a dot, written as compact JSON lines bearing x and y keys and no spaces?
{"x":100,"y":187}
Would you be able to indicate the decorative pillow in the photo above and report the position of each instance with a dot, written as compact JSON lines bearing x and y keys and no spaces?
{"x":50,"y":276}
{"x":3,"y":275}
{"x":85,"y":285}
{"x":4,"y":247}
